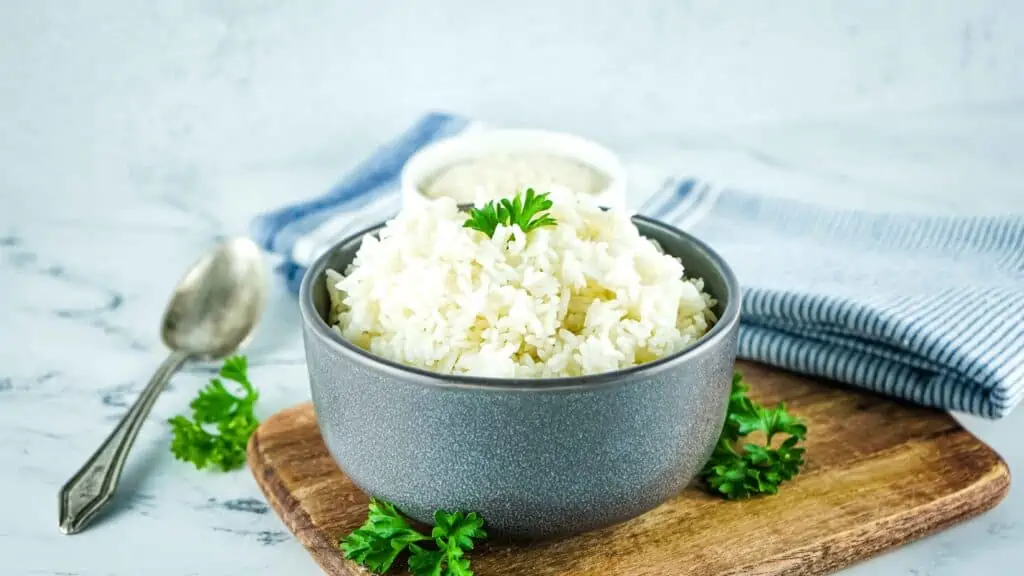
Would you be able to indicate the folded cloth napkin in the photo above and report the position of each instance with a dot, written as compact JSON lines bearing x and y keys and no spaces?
{"x":928,"y":309}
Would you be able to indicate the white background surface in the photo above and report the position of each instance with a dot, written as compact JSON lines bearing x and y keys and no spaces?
{"x":134,"y":134}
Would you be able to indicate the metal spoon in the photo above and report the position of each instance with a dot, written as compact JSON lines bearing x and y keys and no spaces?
{"x":212,"y":311}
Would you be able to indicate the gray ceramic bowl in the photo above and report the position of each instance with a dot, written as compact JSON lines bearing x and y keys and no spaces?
{"x":536,"y":458}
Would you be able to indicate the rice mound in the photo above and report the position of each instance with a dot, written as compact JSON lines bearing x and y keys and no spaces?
{"x":585,"y":296}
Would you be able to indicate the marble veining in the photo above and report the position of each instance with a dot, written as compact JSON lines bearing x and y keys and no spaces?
{"x":135,"y":135}
{"x":246,"y":505}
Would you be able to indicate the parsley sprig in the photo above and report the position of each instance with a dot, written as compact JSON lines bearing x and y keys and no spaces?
{"x":753,"y":469}
{"x":523,"y":211}
{"x":215,"y":407}
{"x":386,"y":534}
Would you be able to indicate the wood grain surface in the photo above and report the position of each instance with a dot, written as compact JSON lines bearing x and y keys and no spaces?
{"x":879,"y":474}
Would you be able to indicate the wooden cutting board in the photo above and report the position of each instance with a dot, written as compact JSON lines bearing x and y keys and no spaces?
{"x":879,"y":474}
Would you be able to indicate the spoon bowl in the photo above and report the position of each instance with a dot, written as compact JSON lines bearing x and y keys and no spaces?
{"x":218,"y":302}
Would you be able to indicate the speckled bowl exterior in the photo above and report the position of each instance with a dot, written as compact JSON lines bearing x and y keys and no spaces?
{"x":537,"y":458}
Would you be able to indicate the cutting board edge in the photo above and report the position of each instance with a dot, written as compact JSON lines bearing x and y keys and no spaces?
{"x":290,"y":511}
{"x":985,"y":493}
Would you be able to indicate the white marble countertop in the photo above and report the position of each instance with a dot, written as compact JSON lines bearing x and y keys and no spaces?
{"x":137,"y":134}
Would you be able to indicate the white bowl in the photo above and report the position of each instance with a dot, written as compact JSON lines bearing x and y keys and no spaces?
{"x":433,"y":158}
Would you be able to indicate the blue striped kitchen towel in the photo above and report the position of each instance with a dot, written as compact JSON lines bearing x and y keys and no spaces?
{"x":924,"y":308}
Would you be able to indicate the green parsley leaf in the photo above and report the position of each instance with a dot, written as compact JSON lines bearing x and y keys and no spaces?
{"x":754,"y":469}
{"x":458,"y":529}
{"x":236,"y":369}
{"x":454,"y":534}
{"x":424,"y":562}
{"x":386,"y":534}
{"x":379,"y":541}
{"x":771,"y":421}
{"x":523,"y":211}
{"x":216,"y":407}
{"x":457,"y":565}
{"x":214,"y":403}
{"x":190,"y":443}
{"x":485,"y":219}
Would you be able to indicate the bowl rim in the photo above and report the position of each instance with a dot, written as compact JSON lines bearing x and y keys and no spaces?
{"x":726,"y":324}
{"x":445,"y":152}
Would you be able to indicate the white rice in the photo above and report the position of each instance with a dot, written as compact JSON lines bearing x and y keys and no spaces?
{"x":588,"y":295}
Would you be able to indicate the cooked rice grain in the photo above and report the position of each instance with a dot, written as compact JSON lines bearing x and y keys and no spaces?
{"x":588,"y":295}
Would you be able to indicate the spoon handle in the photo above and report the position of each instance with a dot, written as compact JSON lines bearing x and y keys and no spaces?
{"x":94,"y":484}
